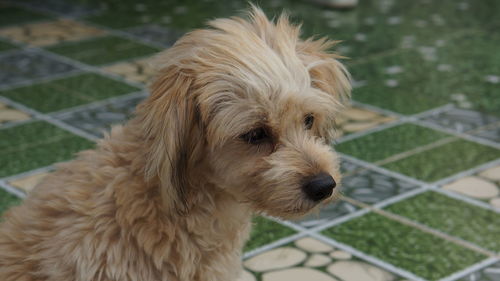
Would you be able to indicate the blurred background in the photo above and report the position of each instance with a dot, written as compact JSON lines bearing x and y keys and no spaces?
{"x":420,"y":143}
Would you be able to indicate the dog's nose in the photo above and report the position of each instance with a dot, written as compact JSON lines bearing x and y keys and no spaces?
{"x":319,"y":187}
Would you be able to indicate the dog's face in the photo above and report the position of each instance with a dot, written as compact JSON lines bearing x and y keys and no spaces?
{"x":273,"y":151}
{"x":254,"y":106}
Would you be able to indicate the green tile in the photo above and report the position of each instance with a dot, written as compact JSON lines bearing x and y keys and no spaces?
{"x":5,"y":46}
{"x":7,"y":200}
{"x":460,"y":66}
{"x":444,"y":160}
{"x":380,"y":145}
{"x":471,"y":223}
{"x":416,"y":86}
{"x":10,"y":15}
{"x":265,"y":231}
{"x":36,"y":144}
{"x":474,"y":57}
{"x":68,"y":92}
{"x":406,"y":247}
{"x":103,"y":50}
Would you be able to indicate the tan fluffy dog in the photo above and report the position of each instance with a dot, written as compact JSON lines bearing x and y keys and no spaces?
{"x":238,"y":122}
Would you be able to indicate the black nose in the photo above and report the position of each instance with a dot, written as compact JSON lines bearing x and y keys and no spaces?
{"x":319,"y":187}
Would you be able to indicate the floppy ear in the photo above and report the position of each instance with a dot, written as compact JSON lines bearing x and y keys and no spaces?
{"x":172,"y":127}
{"x":327,"y":73}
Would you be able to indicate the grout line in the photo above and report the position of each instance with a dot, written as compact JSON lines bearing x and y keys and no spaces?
{"x":433,"y":111}
{"x":147,"y":58}
{"x":35,"y":81}
{"x":287,"y":223}
{"x":424,"y":228}
{"x":466,"y":199}
{"x":377,"y":109}
{"x":125,"y":34}
{"x":457,"y":134}
{"x":371,"y":259}
{"x":381,"y":170}
{"x":95,"y":104}
{"x":467,"y":172}
{"x":80,"y":66}
{"x":19,"y":106}
{"x":401,"y":120}
{"x":69,"y":128}
{"x":17,"y":123}
{"x":400,"y":197}
{"x":470,"y":269}
{"x":416,"y":150}
{"x":370,"y":131}
{"x":12,"y":190}
{"x":90,"y":68}
{"x":274,"y":244}
{"x":51,"y":120}
{"x":340,"y":220}
{"x":28,"y":173}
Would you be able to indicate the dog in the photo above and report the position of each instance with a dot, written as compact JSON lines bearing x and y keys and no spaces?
{"x":239,"y":122}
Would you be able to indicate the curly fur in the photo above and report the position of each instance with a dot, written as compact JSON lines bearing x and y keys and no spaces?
{"x":170,"y":195}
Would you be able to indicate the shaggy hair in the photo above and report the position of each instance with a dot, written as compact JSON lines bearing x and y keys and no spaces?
{"x":239,"y":116}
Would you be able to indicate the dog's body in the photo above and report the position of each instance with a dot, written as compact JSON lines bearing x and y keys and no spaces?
{"x":238,"y":122}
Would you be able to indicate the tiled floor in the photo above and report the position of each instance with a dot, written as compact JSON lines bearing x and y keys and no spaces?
{"x":420,"y":146}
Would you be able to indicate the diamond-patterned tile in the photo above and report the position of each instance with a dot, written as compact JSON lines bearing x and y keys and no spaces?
{"x":371,"y":187}
{"x":421,"y":253}
{"x":311,"y":259}
{"x":68,"y":92}
{"x":49,"y":33}
{"x":446,"y":161}
{"x":386,"y":143}
{"x":103,"y":50}
{"x":408,"y":149}
{"x":156,"y":33}
{"x":36,"y":144}
{"x":99,"y":119}
{"x":484,"y":186}
{"x":23,"y":66}
{"x":469,"y":122}
{"x":454,"y":217}
{"x":488,"y":273}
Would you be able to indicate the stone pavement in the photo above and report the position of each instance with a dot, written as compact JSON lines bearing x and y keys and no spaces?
{"x":420,"y":144}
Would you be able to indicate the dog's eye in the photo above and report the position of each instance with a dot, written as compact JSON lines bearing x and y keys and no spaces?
{"x":308,"y":121}
{"x":255,"y":136}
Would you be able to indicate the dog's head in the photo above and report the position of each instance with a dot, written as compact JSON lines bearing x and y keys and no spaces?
{"x":249,"y":107}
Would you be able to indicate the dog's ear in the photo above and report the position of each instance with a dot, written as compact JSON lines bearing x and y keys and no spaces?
{"x":174,"y":135}
{"x":327,"y":73}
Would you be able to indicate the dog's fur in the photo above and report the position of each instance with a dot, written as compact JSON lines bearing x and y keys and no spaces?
{"x":170,"y":195}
